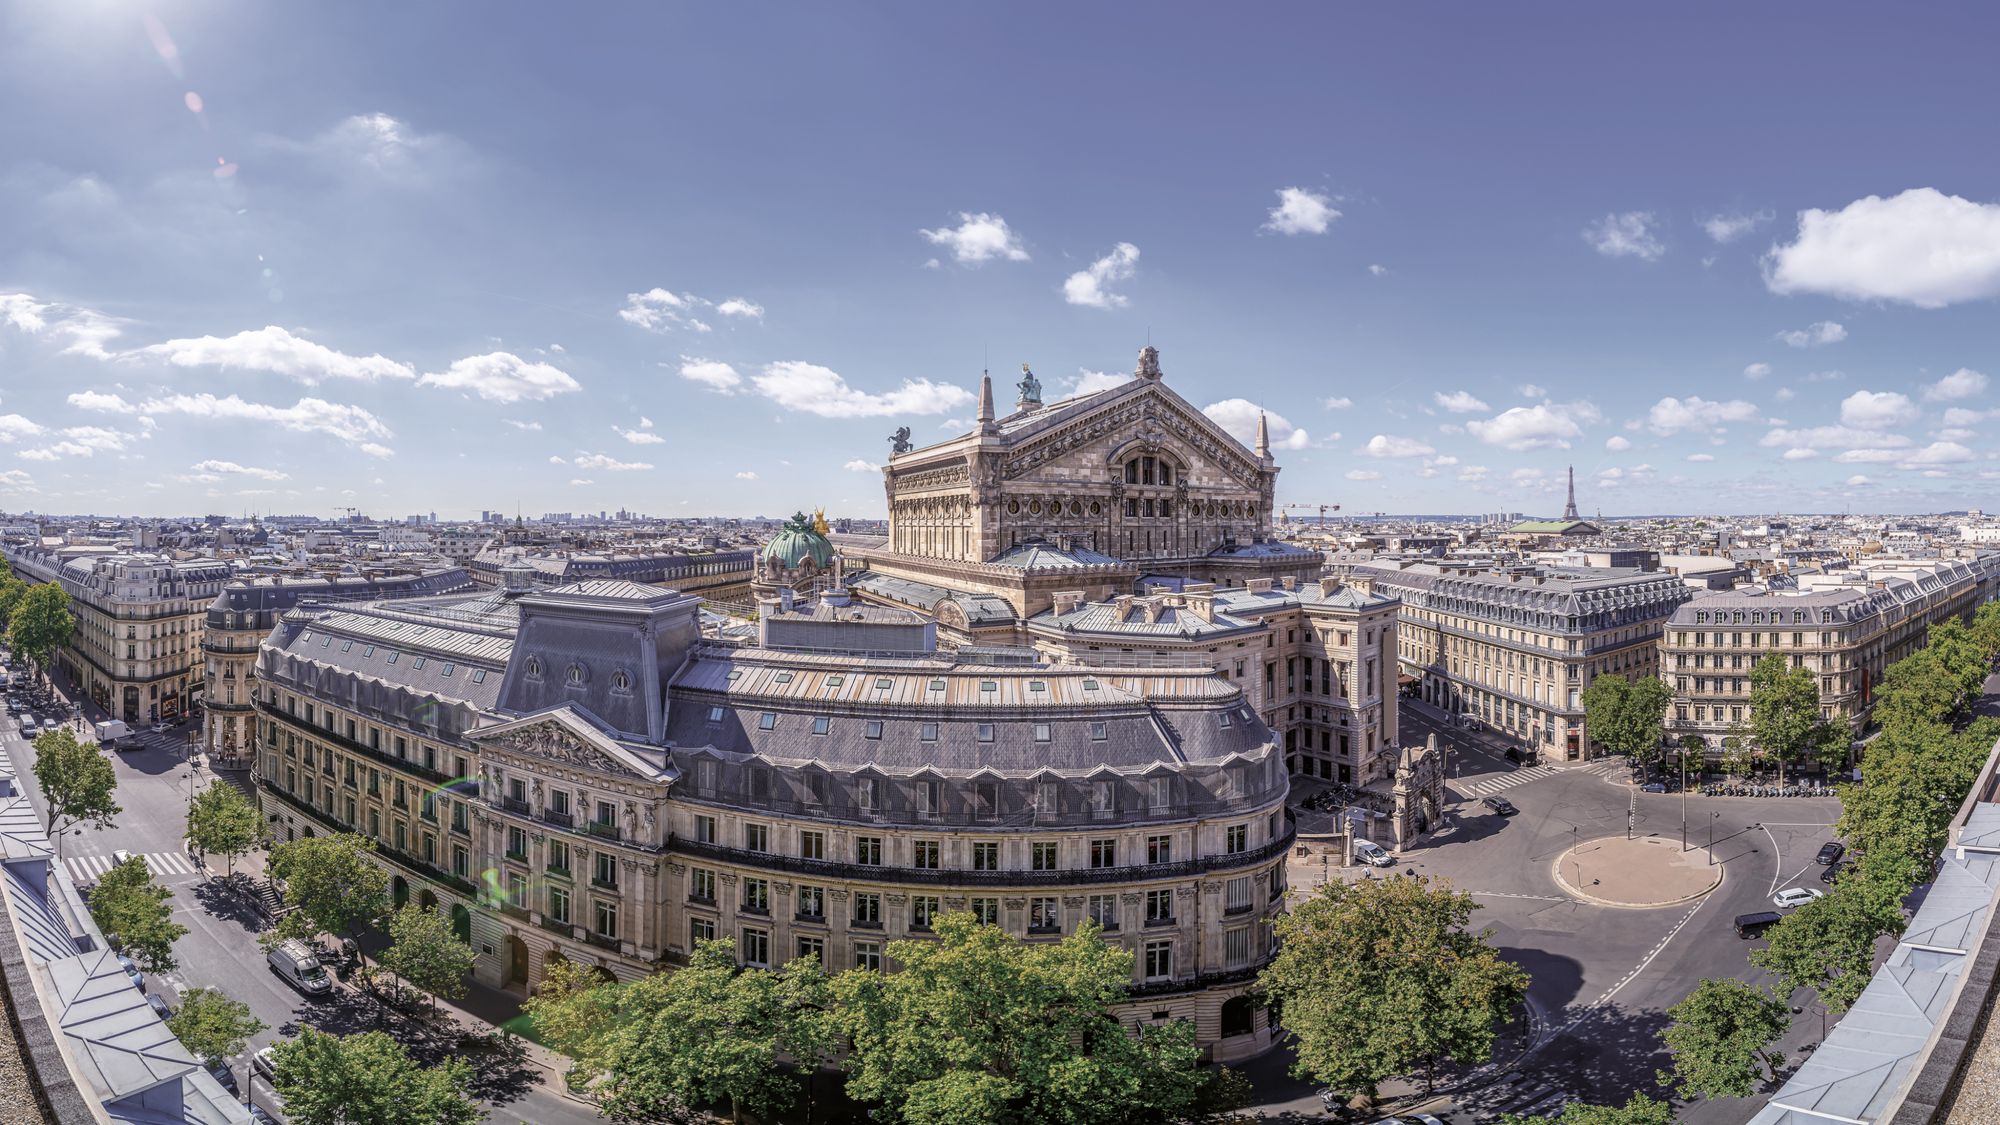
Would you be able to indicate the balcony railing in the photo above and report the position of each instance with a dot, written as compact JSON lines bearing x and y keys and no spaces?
{"x":602,"y":941}
{"x":311,"y":730}
{"x":559,"y":819}
{"x":602,"y":830}
{"x":558,"y":926}
{"x":514,"y":805}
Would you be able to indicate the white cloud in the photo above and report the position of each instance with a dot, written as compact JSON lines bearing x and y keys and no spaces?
{"x":746,"y":475}
{"x":81,"y":441}
{"x":1922,"y":247}
{"x":232,"y":468}
{"x":1960,"y":416}
{"x":1526,"y":474}
{"x":1459,"y":402}
{"x":1801,"y":454}
{"x":380,"y":148}
{"x":662,"y":310}
{"x":1962,"y":383}
{"x":85,"y":331}
{"x":13,"y":427}
{"x":1756,"y":371}
{"x":1088,"y":382}
{"x":1337,"y":402}
{"x":1238,"y":416}
{"x":819,"y":390}
{"x":1472,"y":474}
{"x":639,"y":437}
{"x":1823,"y":376}
{"x":1617,"y":443}
{"x":1877,"y":410}
{"x":1389,"y":445}
{"x":528,"y":427}
{"x":1672,"y":415}
{"x":1701,"y":456}
{"x":375,"y":449}
{"x":1831,"y":438}
{"x":1784,"y":394}
{"x":1378,"y":270}
{"x":581,"y":480}
{"x":1732,"y":225}
{"x":645,"y":423}
{"x":1088,"y":287}
{"x":1815,"y":334}
{"x":101,"y":401}
{"x":978,"y":238}
{"x":860,"y":466}
{"x":1301,"y":212}
{"x":738,"y":306}
{"x":1363,"y":474}
{"x":1625,"y":235}
{"x":502,"y":377}
{"x":1939,"y":453}
{"x":556,"y":459}
{"x":1532,"y":390}
{"x":1542,"y":426}
{"x":607,"y":463}
{"x":713,"y":374}
{"x":306,"y":416}
{"x":1857,"y":480}
{"x":277,"y":351}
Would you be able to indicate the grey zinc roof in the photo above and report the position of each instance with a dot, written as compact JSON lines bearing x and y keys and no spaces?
{"x":1048,"y":556}
{"x":1128,"y":619}
{"x":41,"y":920}
{"x":114,"y":1034}
{"x":979,"y":609}
{"x":21,"y":835}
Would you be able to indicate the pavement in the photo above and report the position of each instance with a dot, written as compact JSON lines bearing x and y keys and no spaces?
{"x":1635,"y":871}
{"x":155,"y":786}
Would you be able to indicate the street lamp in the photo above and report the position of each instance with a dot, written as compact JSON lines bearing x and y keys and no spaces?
{"x":1711,"y":837}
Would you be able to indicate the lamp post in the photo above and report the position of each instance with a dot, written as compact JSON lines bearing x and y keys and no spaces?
{"x":1684,"y":799}
{"x":1711,"y":837}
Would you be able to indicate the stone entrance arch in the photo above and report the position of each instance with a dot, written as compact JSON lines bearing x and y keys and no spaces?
{"x":1419,"y":794}
{"x":399,"y":891}
{"x":517,"y":960}
{"x":461,"y":922}
{"x":427,"y":900}
{"x":1239,"y":1017}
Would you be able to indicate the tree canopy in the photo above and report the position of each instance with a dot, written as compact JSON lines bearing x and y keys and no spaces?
{"x":1828,"y":945}
{"x":1625,"y":716}
{"x":212,"y":1025}
{"x":424,"y":951}
{"x":333,"y":882}
{"x":1785,"y":719}
{"x":11,"y":591}
{"x":40,"y":623}
{"x":1721,"y":1037}
{"x":369,"y":1079}
{"x":131,"y":908}
{"x":1637,"y":1110}
{"x":77,"y":779}
{"x":222,"y":820}
{"x":1394,"y":953}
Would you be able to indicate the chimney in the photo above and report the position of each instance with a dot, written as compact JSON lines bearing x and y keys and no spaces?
{"x":1289,"y":582}
{"x":1329,"y":586}
{"x":1066,"y":601}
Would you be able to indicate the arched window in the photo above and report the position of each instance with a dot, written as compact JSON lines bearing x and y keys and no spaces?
{"x":1132,"y":472}
{"x":576,"y":673}
{"x":534,"y":668}
{"x":621,"y":681}
{"x":1166,"y":473}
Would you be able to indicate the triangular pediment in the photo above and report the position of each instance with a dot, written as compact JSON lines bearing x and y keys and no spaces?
{"x":1140,"y":413}
{"x":566,"y":737}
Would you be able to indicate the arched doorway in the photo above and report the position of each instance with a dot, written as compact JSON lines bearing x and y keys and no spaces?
{"x":427,"y":900}
{"x":399,"y":891}
{"x":461,"y":922}
{"x":517,"y":960}
{"x":1239,"y":1017}
{"x":550,"y":960}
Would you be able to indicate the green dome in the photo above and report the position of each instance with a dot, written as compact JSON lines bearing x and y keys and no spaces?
{"x":797,"y":543}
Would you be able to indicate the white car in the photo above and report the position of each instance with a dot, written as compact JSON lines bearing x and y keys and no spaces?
{"x":1411,"y":1119}
{"x":1371,"y":853}
{"x":1796,"y":896}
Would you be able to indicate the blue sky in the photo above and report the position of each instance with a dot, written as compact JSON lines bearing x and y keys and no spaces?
{"x":703,"y":259}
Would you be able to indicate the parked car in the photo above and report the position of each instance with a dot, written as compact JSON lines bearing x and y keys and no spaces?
{"x":30,"y":728}
{"x":159,"y":1005}
{"x":1752,"y":925}
{"x":1371,"y":853}
{"x":1831,"y":851}
{"x":1796,"y":896}
{"x":264,"y":1064}
{"x":1831,"y":874}
{"x":132,"y":971}
{"x":1500,"y":805}
{"x":120,"y":857}
{"x":294,"y":961}
{"x":224,"y":1077}
{"x":1653,"y":787}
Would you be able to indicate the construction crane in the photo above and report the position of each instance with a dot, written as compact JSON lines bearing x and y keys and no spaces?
{"x":1323,"y":510}
{"x":349,"y":510}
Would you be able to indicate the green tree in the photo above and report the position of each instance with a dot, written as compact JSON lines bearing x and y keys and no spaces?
{"x":1721,"y":1036}
{"x":212,"y":1025}
{"x":1737,"y":760}
{"x":77,"y":781}
{"x":11,"y":591}
{"x":369,"y":1079}
{"x":978,"y":1026}
{"x":223,"y":820}
{"x":423,"y":951}
{"x":131,"y":908}
{"x":334,"y":884}
{"x":40,"y":623}
{"x":1690,"y":756}
{"x":1637,"y":1110}
{"x":1914,"y":775}
{"x":1785,"y":720}
{"x":1625,"y":716}
{"x":669,"y":1043}
{"x":1960,"y":659}
{"x":1829,"y":945}
{"x":1355,"y":959}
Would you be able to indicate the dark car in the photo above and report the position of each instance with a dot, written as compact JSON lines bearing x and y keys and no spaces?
{"x":1752,"y":925}
{"x":224,"y":1076}
{"x":1500,"y":805}
{"x":1831,"y":851}
{"x":1653,"y":787}
{"x":1831,"y":873}
{"x":159,"y":1005}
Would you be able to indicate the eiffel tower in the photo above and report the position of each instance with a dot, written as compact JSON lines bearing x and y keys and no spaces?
{"x":1569,"y":509}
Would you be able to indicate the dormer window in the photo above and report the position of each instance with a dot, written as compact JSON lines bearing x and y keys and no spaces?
{"x":534,"y":668}
{"x":621,"y":681}
{"x":576,"y":673}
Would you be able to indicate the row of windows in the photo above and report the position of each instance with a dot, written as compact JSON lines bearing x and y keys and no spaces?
{"x":985,"y":855}
{"x":871,"y":729}
{"x":390,"y":656}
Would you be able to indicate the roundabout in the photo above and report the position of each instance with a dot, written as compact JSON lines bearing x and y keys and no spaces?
{"x":1641,"y":873}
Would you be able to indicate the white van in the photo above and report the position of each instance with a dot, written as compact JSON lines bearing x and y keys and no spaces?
{"x":1371,"y":853}
{"x":294,"y":961}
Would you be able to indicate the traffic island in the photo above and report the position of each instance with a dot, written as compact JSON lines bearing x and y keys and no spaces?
{"x":1642,"y":873}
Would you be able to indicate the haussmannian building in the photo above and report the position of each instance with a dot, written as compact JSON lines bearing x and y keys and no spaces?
{"x":576,"y":773}
{"x":1847,"y":627}
{"x":1512,"y":649}
{"x":136,"y":651}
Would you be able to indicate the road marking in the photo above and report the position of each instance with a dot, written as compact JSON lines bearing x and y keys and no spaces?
{"x":1508,"y":894}
{"x":89,"y":868}
{"x":1777,"y":861}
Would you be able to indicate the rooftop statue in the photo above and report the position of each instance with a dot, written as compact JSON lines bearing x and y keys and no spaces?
{"x":1029,"y":386}
{"x":900,"y":441}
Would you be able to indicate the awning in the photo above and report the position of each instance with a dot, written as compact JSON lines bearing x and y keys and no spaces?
{"x":1404,"y":679}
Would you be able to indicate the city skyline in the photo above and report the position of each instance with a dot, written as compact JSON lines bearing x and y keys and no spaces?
{"x":687,"y":262}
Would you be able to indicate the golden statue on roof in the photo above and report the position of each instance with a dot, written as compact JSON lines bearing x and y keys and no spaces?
{"x":819,"y":521}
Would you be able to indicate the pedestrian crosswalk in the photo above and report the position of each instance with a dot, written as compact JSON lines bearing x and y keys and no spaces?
{"x":1495,"y":783}
{"x":90,"y":868}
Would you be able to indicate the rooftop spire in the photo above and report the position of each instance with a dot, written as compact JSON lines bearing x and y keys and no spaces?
{"x":1569,"y":509}
{"x":986,"y":403}
{"x":1263,"y":436}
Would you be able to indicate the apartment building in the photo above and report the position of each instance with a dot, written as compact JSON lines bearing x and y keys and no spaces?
{"x":1317,"y":660}
{"x":1512,"y":649}
{"x":136,"y":651}
{"x":1847,"y":626}
{"x":573,"y":773}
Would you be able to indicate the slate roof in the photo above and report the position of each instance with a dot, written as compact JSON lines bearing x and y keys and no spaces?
{"x":979,"y":609}
{"x":1037,"y":555}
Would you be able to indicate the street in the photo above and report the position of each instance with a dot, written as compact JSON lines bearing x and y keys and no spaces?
{"x":220,"y":949}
